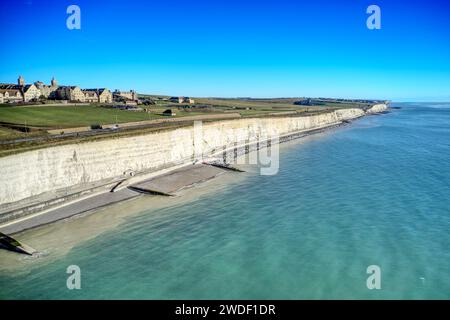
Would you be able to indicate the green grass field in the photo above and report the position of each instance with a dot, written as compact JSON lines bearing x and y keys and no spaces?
{"x":6,"y":133}
{"x":69,"y":116}
{"x":77,"y":116}
{"x":59,"y":117}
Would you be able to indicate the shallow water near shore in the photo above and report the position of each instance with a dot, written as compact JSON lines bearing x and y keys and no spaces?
{"x":374,"y":192}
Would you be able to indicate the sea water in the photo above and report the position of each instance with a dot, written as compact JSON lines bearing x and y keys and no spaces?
{"x":374,"y":192}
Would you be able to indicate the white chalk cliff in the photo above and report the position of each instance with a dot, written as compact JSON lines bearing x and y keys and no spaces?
{"x":45,"y":170}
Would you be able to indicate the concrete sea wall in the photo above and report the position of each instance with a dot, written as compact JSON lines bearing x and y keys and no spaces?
{"x":52,"y":169}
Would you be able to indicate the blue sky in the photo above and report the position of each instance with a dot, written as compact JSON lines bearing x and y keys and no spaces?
{"x":233,"y":48}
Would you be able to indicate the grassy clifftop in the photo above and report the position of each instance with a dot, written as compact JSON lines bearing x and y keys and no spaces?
{"x":24,"y":128}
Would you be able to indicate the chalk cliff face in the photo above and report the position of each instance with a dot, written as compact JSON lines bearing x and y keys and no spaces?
{"x":35,"y":172}
{"x":377,"y":108}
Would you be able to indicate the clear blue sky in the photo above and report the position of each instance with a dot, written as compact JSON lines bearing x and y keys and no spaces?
{"x":231,"y":48}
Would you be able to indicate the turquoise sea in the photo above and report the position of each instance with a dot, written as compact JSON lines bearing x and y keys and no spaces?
{"x":375,"y":192}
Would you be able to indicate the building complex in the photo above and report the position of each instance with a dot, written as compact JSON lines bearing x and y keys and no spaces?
{"x":21,"y":92}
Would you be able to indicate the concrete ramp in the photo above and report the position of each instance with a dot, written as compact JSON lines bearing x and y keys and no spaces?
{"x":223,"y":166}
{"x":179,"y":179}
{"x":12,"y":244}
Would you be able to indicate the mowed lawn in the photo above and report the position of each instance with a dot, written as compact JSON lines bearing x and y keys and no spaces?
{"x":69,"y":116}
